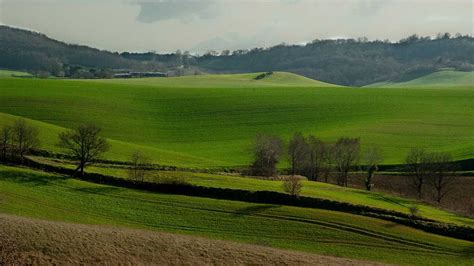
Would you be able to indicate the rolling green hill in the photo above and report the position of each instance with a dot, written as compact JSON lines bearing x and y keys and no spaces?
{"x":277,"y":79}
{"x":207,"y":121}
{"x":39,"y":195}
{"x":445,"y":78}
{"x":10,"y":74}
{"x":310,"y":189}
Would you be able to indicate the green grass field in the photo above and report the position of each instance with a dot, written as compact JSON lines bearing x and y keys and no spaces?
{"x":207,"y":121}
{"x":310,"y":189}
{"x":446,"y":78}
{"x":278,"y":79}
{"x":39,"y":195}
{"x":11,"y":74}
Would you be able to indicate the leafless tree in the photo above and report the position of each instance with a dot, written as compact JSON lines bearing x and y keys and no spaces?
{"x":441,"y":174}
{"x":372,"y":159}
{"x":292,"y":185}
{"x":346,"y":155}
{"x":297,"y":153}
{"x":84,"y":144}
{"x":417,"y":165}
{"x":317,"y":161}
{"x":267,"y":150}
{"x":138,"y":168}
{"x":25,"y":138}
{"x":6,"y":139}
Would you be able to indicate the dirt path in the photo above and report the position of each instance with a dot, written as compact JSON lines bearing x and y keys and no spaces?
{"x":38,"y":242}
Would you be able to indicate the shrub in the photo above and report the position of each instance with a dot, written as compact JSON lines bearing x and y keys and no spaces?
{"x":138,"y":166}
{"x":414,"y":211}
{"x":267,"y":151}
{"x":292,"y":185}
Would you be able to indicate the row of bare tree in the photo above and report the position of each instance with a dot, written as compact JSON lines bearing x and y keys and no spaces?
{"x":311,"y":157}
{"x":17,"y":139}
{"x":84,"y":144}
{"x":307,"y":155}
{"x":431,"y":169}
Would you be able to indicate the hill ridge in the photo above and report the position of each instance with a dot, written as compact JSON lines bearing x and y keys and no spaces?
{"x":347,"y":62}
{"x":442,"y":78}
{"x":277,"y":79}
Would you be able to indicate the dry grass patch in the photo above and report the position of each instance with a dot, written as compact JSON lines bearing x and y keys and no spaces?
{"x":41,"y":242}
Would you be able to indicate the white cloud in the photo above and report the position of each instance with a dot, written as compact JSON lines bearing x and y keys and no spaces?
{"x":185,"y":10}
{"x":168,"y":25}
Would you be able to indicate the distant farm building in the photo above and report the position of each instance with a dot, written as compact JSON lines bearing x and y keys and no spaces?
{"x":140,"y":74}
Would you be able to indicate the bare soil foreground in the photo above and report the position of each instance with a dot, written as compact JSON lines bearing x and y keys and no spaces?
{"x":29,"y":241}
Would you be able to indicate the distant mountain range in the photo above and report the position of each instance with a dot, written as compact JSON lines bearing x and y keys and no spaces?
{"x":344,"y":62}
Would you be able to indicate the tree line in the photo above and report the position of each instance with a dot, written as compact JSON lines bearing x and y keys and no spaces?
{"x":352,"y":62}
{"x":433,"y":169}
{"x":84,"y":145}
{"x":308,"y":156}
{"x":17,"y":139}
{"x":317,"y":160}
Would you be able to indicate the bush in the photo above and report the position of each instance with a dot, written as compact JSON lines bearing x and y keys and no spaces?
{"x":139,"y":164}
{"x":414,"y":211}
{"x":267,"y":151}
{"x":292,"y":185}
{"x":263,"y":75}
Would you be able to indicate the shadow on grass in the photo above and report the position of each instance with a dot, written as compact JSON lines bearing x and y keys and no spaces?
{"x":254,"y":210}
{"x":390,"y":225}
{"x":30,"y":178}
{"x":388,"y":199}
{"x":470,"y":222}
{"x":105,"y":190}
{"x":468,"y":252}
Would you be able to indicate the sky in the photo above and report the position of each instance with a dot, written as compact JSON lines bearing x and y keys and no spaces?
{"x":197,"y":26}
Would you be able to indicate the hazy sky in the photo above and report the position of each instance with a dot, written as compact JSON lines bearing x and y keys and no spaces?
{"x":168,"y":25}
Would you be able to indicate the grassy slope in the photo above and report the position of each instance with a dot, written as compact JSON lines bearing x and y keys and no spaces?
{"x":215,"y":125}
{"x":278,"y":79}
{"x":10,"y":73}
{"x":40,"y":242}
{"x":39,"y":195}
{"x":310,"y":189}
{"x":119,"y":150}
{"x":445,"y":78}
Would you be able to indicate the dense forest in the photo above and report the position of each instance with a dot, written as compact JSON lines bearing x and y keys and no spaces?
{"x":37,"y":53}
{"x":354,"y":62}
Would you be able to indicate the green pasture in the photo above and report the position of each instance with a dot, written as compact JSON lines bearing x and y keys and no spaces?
{"x":446,"y":78}
{"x":39,"y":195}
{"x":11,"y":73}
{"x":310,"y":189}
{"x":192,"y":121}
{"x":277,"y":79}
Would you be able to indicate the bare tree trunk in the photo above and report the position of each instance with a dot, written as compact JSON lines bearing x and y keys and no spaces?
{"x":82,"y":170}
{"x":346,"y":174}
{"x":420,"y":188}
{"x":439,"y":188}
{"x":368,"y":181}
{"x":76,"y":170}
